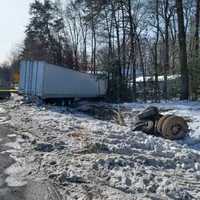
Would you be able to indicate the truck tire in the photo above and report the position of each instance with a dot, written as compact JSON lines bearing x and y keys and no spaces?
{"x":160,"y":123}
{"x":174,"y":128}
{"x":148,"y":127}
{"x":149,"y":113}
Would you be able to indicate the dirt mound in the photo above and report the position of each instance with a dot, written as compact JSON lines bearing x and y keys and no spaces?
{"x":103,"y":112}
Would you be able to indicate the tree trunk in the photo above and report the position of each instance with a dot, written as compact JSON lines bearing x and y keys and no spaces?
{"x":143,"y":69}
{"x":94,"y":43}
{"x":132,"y":50}
{"x":118,"y":60}
{"x":196,"y":38}
{"x":183,"y":52}
{"x":157,"y":97}
{"x":84,"y":31}
{"x":124,"y":42}
{"x":166,"y":63}
{"x":197,"y":29}
{"x":93,"y":58}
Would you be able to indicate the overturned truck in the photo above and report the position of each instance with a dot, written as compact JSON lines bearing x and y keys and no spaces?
{"x":170,"y":127}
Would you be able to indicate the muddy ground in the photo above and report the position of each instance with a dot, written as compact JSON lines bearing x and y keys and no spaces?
{"x":11,"y":188}
{"x":50,"y":152}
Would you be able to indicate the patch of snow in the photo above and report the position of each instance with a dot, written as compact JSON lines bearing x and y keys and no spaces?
{"x":112,"y":161}
{"x":15,"y":175}
{"x":2,"y":110}
{"x":14,"y":145}
{"x":160,"y":78}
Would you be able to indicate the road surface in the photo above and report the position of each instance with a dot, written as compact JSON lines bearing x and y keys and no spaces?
{"x":33,"y":190}
{"x":6,"y":192}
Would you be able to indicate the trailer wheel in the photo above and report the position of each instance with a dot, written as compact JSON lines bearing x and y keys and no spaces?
{"x":174,"y":127}
{"x":160,"y":123}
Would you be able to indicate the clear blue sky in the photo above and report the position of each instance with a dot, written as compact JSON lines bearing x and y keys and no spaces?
{"x":14,"y":15}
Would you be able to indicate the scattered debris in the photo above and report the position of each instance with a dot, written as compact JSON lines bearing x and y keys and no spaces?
{"x":103,"y":112}
{"x":64,"y":178}
{"x":44,"y":147}
{"x":152,"y":122}
{"x":96,"y":148}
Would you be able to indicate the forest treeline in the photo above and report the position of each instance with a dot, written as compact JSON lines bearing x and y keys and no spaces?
{"x":121,"y":40}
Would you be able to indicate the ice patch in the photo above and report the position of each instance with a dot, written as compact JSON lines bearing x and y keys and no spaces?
{"x":2,"y":110}
{"x":14,"y":182}
{"x":16,"y":174}
{"x":12,"y":135}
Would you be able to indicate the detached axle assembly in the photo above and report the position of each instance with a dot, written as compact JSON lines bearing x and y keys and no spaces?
{"x":170,"y":127}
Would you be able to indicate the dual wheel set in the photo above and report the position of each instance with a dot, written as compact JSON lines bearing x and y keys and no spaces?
{"x":170,"y":127}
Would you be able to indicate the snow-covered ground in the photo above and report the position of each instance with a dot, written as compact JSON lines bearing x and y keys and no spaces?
{"x":94,"y":159}
{"x":160,"y":78}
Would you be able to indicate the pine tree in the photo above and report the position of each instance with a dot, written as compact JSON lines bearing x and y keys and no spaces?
{"x":45,"y":38}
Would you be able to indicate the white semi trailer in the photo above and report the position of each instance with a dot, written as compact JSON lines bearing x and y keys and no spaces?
{"x":48,"y":81}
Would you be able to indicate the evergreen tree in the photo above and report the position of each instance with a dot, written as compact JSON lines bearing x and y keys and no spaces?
{"x":45,"y":37}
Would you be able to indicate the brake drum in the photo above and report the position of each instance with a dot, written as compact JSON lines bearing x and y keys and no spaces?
{"x":173,"y":127}
{"x":160,"y":123}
